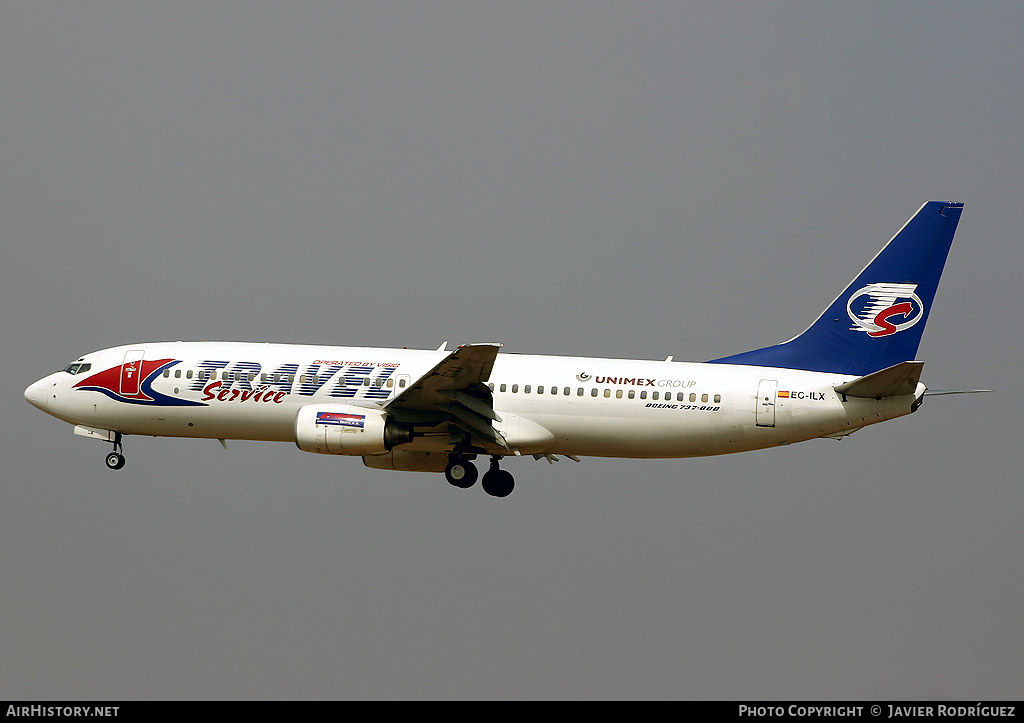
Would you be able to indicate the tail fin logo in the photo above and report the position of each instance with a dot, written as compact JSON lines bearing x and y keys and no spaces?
{"x":884,"y":309}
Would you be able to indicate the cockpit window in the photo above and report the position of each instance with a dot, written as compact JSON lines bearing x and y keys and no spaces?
{"x":78,"y":368}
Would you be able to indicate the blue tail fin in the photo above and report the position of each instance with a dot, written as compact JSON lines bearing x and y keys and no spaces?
{"x":878,"y":320}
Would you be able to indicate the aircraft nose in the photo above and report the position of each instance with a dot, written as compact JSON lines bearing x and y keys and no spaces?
{"x":36,"y":394}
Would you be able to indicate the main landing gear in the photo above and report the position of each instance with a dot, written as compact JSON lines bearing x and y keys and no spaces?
{"x":462,"y":473}
{"x":115,"y":460}
{"x":498,"y":482}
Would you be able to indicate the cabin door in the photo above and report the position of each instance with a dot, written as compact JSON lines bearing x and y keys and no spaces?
{"x":766,"y":392}
{"x":131,"y":371}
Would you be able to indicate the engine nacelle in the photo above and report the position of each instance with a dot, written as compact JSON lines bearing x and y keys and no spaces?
{"x":344,"y":429}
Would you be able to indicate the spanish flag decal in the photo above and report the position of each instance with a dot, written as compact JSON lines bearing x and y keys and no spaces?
{"x":783,"y":395}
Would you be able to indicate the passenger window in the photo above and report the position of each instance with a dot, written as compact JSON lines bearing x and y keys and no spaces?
{"x":693,"y":397}
{"x":213,"y":375}
{"x":401,"y":384}
{"x":391,"y":383}
{"x":540,"y":390}
{"x":643,"y":395}
{"x":188,"y":374}
{"x":632,"y":393}
{"x":366,"y":381}
{"x":167,"y":373}
{"x":263,"y":378}
{"x":593,"y":392}
{"x":579,"y":392}
{"x":680,"y":396}
{"x":515,"y":388}
{"x":718,"y":398}
{"x":704,"y":397}
{"x":607,"y":393}
{"x":654,"y":395}
{"x":177,"y":373}
{"x":526,"y":389}
{"x":504,"y":388}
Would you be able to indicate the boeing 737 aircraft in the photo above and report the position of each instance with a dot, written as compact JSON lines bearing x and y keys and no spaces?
{"x":438,"y":410}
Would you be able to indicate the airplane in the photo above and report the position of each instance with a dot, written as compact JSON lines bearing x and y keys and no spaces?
{"x":438,"y":410}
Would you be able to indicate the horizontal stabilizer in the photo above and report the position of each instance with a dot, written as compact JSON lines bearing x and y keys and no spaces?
{"x":945,"y":392}
{"x":894,"y":381}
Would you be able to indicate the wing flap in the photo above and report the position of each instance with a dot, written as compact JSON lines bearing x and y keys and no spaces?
{"x":474,"y":405}
{"x":475,"y":424}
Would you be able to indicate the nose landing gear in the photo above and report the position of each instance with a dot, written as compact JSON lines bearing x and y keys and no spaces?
{"x":115,"y":460}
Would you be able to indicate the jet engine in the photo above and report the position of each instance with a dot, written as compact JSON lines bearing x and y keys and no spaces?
{"x":344,"y":429}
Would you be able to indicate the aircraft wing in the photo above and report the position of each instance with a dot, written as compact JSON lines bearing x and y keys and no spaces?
{"x":456,"y":390}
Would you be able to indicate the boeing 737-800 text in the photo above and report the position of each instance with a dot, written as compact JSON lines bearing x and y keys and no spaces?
{"x":438,"y":410}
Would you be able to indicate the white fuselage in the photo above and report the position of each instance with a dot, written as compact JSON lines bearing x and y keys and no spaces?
{"x":590,"y":406}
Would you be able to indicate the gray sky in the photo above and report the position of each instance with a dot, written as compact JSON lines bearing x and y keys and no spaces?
{"x":612,"y":179}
